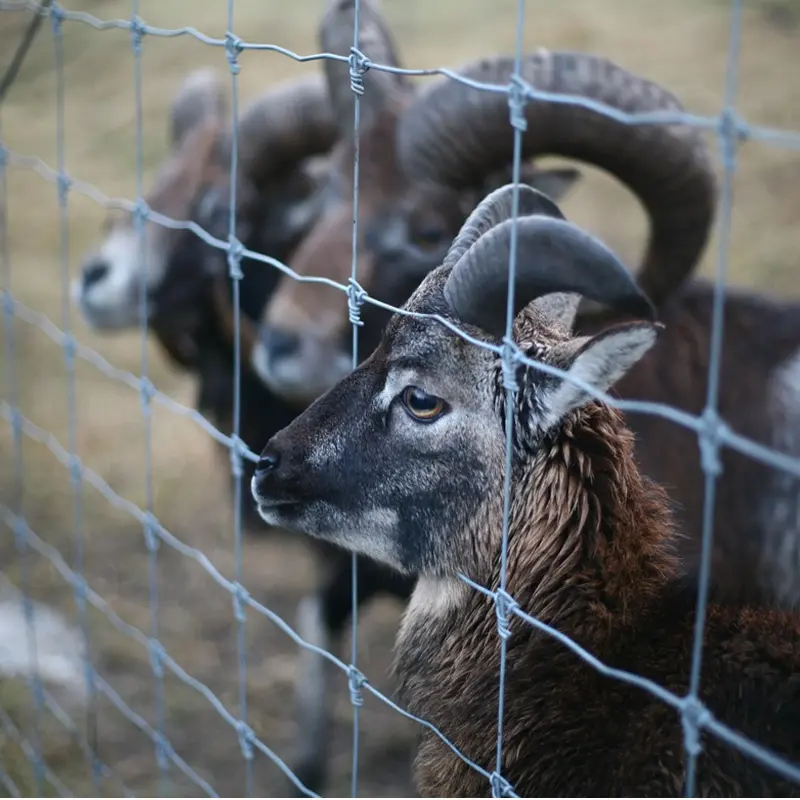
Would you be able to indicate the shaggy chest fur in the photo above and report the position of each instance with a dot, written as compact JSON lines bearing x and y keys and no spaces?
{"x":597,"y":567}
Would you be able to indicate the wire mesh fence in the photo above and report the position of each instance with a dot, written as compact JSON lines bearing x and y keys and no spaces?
{"x":712,"y":431}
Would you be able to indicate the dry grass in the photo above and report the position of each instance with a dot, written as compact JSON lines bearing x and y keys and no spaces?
{"x":682,"y":44}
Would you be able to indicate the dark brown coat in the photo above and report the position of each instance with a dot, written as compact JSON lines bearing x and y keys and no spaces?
{"x":569,"y":731}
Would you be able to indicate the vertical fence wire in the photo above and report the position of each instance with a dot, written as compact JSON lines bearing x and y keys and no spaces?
{"x":708,"y":437}
{"x":33,"y":675}
{"x":89,"y":746}
{"x":354,"y":301}
{"x":499,"y":785}
{"x":233,"y":49}
{"x":150,"y":528}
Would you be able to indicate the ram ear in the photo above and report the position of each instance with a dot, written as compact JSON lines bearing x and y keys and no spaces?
{"x":598,"y":361}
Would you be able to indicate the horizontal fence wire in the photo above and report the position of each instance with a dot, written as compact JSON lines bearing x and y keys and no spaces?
{"x":712,"y":431}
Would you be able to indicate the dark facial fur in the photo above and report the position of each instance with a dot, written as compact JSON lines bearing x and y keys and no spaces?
{"x":356,"y":469}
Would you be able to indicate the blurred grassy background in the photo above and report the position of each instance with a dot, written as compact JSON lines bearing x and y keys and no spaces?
{"x":682,"y":44}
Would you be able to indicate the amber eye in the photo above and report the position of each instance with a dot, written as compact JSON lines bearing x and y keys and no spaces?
{"x":427,"y":238}
{"x":421,"y":405}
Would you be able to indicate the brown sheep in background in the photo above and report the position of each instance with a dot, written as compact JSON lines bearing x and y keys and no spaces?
{"x":306,"y":341}
{"x":404,"y":461}
{"x":282,"y":136}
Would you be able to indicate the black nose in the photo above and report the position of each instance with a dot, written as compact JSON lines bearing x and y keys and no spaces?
{"x":268,"y":462}
{"x":282,"y":344}
{"x":94,"y":272}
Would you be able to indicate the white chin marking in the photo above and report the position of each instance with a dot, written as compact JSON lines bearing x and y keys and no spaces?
{"x":268,"y":515}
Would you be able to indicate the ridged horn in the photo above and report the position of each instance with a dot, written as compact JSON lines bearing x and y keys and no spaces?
{"x":200,"y":97}
{"x":495,"y":208}
{"x":455,"y":135}
{"x":376,"y":42}
{"x":554,"y":256}
{"x":286,"y":124}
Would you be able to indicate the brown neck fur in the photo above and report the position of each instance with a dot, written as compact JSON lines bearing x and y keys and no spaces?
{"x":587,"y":532}
{"x":589,"y":547}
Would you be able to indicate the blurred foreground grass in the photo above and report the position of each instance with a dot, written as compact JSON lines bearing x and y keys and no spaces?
{"x":682,"y":44}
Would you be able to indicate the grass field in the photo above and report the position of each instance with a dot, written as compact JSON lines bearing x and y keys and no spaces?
{"x":682,"y":44}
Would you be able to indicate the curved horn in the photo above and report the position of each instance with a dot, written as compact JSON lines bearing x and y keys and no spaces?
{"x":495,"y":208}
{"x":285,"y":125}
{"x":553,"y":256}
{"x":455,"y":135}
{"x":200,"y":97}
{"x":376,"y":42}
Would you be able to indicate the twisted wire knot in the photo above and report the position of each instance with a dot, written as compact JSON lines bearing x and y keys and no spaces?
{"x":246,"y":736}
{"x":140,"y":212}
{"x":16,"y":422}
{"x":80,"y":587}
{"x":732,"y":127}
{"x":163,"y":749}
{"x":75,"y":472}
{"x":235,"y":254}
{"x":237,"y":452}
{"x":732,"y":130}
{"x":710,"y":437}
{"x":510,"y":360}
{"x":355,"y":680}
{"x":64,"y":183}
{"x":504,"y":606}
{"x":359,"y":64}
{"x":694,"y":717}
{"x":147,"y":392}
{"x":240,"y":598}
{"x":157,"y":653}
{"x":151,"y":534}
{"x":138,"y":30}
{"x":57,"y":17}
{"x":355,"y":299}
{"x":517,"y":99}
{"x":233,"y":48}
{"x":500,"y":786}
{"x":70,"y":349}
{"x":20,"y":533}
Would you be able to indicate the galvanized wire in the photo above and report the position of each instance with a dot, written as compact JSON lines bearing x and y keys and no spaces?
{"x":712,"y":432}
{"x":499,"y":785}
{"x":709,"y":446}
{"x":145,"y":400}
{"x":32,"y":749}
{"x":354,"y":301}
{"x":246,"y":735}
{"x":62,"y":187}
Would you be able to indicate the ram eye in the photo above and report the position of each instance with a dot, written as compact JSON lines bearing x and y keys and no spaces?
{"x":427,"y":238}
{"x":421,"y":405}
